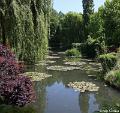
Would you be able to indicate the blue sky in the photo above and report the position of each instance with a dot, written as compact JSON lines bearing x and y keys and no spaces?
{"x":73,"y":5}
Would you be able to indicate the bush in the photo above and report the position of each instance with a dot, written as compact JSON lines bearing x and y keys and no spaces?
{"x":113,"y":77}
{"x":92,"y":47}
{"x":6,"y":53}
{"x":8,"y":67}
{"x":118,"y":59}
{"x":108,"y":61}
{"x":8,"y":62}
{"x":15,"y":89}
{"x":72,"y":53}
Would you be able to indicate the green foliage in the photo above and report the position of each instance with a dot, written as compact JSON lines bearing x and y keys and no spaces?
{"x":112,"y":22}
{"x":108,"y":61}
{"x":66,"y":29}
{"x":87,"y":11}
{"x":71,"y":29}
{"x":92,"y":47}
{"x":13,"y":109}
{"x":77,"y":46}
{"x":96,"y":25}
{"x":118,"y":59}
{"x":26,"y":27}
{"x":54,"y":22}
{"x":113,"y":77}
{"x":54,"y":28}
{"x":72,"y":53}
{"x":88,"y":48}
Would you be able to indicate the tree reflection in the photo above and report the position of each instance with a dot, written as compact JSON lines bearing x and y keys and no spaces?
{"x":87,"y":103}
{"x":83,"y":102}
{"x":40,"y":103}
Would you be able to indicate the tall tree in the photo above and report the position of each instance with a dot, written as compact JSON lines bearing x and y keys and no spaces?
{"x":25,"y":25}
{"x":72,"y":31}
{"x":112,"y":22}
{"x":87,"y":11}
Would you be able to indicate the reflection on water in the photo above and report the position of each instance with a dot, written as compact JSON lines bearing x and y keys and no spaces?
{"x":58,"y":98}
{"x":40,"y":103}
{"x":92,"y":103}
{"x":87,"y":103}
{"x":53,"y":95}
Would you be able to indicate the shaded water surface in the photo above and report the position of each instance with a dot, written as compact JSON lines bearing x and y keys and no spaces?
{"x":53,"y":95}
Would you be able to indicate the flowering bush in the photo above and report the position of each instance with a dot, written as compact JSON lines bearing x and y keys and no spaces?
{"x":6,"y":53}
{"x":8,"y":67}
{"x":15,"y":88}
{"x":8,"y":62}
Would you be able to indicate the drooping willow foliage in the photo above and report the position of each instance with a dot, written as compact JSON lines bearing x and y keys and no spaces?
{"x":24,"y":25}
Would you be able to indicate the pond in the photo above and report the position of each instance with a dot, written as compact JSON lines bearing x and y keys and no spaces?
{"x":54,"y":96}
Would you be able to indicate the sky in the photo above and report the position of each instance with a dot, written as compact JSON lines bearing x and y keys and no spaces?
{"x":73,"y":5}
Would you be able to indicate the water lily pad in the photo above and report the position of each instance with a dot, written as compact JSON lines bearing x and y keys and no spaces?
{"x":37,"y":76}
{"x":83,"y":86}
{"x":91,"y":75}
{"x":45,"y":63}
{"x":61,"y":52}
{"x":42,"y":64}
{"x":75,"y":63}
{"x":52,"y":57}
{"x":54,"y":54}
{"x":62,"y":68}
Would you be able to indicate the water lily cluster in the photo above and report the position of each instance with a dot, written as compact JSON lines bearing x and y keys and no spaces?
{"x":15,"y":88}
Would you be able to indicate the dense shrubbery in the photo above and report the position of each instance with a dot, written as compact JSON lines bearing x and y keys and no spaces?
{"x":6,"y":53}
{"x":72,"y":53}
{"x":108,"y":61}
{"x":92,"y":47}
{"x":88,"y":49}
{"x":15,"y":89}
{"x":113,"y":77}
{"x":8,"y":67}
{"x":8,"y":63}
{"x":66,"y":29}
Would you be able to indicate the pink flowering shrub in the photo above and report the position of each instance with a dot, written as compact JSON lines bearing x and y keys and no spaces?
{"x":15,"y":88}
{"x":8,"y":67}
{"x":6,"y":53}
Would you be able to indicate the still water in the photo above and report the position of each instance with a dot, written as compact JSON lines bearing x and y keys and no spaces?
{"x":53,"y":95}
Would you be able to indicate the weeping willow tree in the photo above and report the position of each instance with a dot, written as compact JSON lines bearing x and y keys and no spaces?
{"x":24,"y":25}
